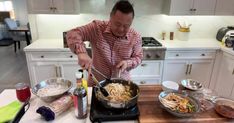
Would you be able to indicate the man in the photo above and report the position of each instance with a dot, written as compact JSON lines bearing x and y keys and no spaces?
{"x":115,"y":46}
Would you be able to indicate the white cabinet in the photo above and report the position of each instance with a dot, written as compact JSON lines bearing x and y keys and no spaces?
{"x":53,"y":6}
{"x":148,"y":72}
{"x":190,"y":7}
{"x":225,"y":81}
{"x":45,"y":65}
{"x":224,"y":7}
{"x":197,"y":65}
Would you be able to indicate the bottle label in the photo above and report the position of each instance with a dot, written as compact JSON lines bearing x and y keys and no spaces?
{"x":84,"y":100}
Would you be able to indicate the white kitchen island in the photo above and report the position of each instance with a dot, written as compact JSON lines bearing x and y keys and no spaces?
{"x":9,"y":95}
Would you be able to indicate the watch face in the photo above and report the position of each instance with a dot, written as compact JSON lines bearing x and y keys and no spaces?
{"x":229,"y":42}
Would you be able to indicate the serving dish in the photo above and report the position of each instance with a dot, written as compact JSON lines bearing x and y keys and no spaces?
{"x":192,"y":101}
{"x":170,"y":86}
{"x":191,"y":84}
{"x":224,"y":107}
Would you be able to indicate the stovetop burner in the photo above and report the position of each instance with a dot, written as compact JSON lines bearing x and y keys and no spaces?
{"x":99,"y":113}
{"x":151,"y":42}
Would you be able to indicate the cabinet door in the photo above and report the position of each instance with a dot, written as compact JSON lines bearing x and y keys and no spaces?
{"x":175,"y":70}
{"x":65,"y":6}
{"x":201,"y":70}
{"x":69,"y":69}
{"x":42,"y":71}
{"x":181,"y":7}
{"x":225,"y":79}
{"x":224,"y":7}
{"x":204,"y":7}
{"x":39,"y":6}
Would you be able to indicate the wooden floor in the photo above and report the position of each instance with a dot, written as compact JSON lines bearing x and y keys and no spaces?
{"x":13,"y":66}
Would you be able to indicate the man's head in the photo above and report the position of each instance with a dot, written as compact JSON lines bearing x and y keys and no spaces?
{"x":121,"y":17}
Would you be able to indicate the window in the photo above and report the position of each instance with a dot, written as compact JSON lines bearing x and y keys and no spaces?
{"x":7,"y":6}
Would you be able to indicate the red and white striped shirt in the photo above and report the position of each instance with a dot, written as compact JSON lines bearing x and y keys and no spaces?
{"x":107,"y":49}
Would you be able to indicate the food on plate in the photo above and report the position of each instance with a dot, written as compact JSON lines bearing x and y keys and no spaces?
{"x":117,"y":92}
{"x":206,"y":104}
{"x":178,"y":103}
{"x":51,"y":90}
{"x":225,"y":107}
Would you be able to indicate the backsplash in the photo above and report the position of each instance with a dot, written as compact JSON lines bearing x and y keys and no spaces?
{"x":52,"y":26}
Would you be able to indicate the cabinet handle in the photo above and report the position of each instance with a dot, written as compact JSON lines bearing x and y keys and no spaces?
{"x":56,"y":71}
{"x":203,"y":54}
{"x":190,"y":69}
{"x":177,"y":54}
{"x":142,"y":82}
{"x":187,"y":69}
{"x":233,"y":72}
{"x":71,"y":56}
{"x":42,"y":56}
{"x":191,"y":9}
{"x":194,"y":9}
{"x":143,"y":65}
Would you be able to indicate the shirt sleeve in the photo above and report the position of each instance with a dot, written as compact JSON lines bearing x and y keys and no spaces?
{"x":77,"y":36}
{"x":137,"y":54}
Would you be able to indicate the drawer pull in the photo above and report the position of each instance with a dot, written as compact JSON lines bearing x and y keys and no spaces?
{"x":71,"y":56}
{"x":42,"y":56}
{"x":233,"y":72}
{"x":143,"y":65}
{"x":203,"y":55}
{"x":177,"y":54}
{"x":142,"y":82}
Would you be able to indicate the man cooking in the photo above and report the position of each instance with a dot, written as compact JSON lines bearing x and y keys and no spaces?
{"x":115,"y":46}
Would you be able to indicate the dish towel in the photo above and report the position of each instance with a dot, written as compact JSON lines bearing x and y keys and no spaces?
{"x":9,"y":111}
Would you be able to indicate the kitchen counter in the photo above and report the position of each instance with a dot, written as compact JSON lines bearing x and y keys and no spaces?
{"x":150,"y":110}
{"x":8,"y":95}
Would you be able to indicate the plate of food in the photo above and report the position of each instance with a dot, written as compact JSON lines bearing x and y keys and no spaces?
{"x":191,"y":84}
{"x":179,"y":104}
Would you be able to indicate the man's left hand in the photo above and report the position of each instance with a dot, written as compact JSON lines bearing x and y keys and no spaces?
{"x":122,"y":65}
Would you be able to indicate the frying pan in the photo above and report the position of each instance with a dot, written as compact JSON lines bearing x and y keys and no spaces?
{"x":134,"y":90}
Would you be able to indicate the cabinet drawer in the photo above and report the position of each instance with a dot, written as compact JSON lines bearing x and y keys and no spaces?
{"x":190,"y":55}
{"x":147,"y":81}
{"x":53,"y":56}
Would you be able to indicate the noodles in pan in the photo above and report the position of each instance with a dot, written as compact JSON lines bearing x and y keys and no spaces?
{"x":117,"y":92}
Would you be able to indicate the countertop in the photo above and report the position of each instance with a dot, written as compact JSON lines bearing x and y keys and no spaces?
{"x":9,"y":95}
{"x":193,"y":44}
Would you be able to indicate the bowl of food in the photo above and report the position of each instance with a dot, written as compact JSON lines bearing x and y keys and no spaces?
{"x":191,"y":84}
{"x":170,"y":85}
{"x":51,"y":89}
{"x":224,"y":107}
{"x":178,"y":104}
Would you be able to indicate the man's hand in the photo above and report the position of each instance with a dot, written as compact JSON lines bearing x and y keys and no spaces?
{"x":84,"y":60}
{"x":122,"y":65}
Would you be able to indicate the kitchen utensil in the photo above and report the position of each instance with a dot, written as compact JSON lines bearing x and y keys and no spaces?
{"x":134,"y":90}
{"x":102,"y":89}
{"x":107,"y":79}
{"x":21,"y":112}
{"x":58,"y":85}
{"x":175,"y":112}
{"x":191,"y":84}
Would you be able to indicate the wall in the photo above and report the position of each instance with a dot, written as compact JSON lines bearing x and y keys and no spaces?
{"x":20,"y":8}
{"x":52,"y":26}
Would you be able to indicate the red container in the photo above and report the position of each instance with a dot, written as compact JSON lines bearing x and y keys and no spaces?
{"x":22,"y":92}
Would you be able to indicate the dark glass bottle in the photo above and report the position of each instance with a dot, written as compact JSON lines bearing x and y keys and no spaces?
{"x":80,"y":98}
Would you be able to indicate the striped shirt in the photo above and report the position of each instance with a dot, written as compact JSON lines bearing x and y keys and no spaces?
{"x":107,"y":49}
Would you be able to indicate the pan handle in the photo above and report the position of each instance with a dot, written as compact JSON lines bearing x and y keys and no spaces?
{"x":21,"y":112}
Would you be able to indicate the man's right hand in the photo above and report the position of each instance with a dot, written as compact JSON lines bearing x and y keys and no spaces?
{"x":84,"y":60}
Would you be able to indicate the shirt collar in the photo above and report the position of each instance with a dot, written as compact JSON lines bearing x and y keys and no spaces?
{"x":108,"y":31}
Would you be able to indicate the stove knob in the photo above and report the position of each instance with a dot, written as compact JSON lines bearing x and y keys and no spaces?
{"x":157,"y":56}
{"x":148,"y":56}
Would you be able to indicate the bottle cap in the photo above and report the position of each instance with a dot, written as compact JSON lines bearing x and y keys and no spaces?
{"x":79,"y":74}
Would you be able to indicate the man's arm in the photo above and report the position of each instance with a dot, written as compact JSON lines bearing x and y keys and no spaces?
{"x":77,"y":36}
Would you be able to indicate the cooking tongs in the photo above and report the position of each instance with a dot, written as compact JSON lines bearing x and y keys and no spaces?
{"x":21,"y":112}
{"x":102,"y":89}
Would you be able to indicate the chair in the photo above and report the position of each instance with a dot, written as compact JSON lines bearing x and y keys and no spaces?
{"x":16,"y":36}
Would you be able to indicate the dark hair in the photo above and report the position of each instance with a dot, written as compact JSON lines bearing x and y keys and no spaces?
{"x":124,"y":6}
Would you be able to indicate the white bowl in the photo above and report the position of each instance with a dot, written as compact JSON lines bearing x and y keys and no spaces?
{"x":170,"y":85}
